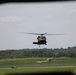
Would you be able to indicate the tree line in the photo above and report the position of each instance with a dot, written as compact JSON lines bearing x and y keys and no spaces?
{"x":23,"y":53}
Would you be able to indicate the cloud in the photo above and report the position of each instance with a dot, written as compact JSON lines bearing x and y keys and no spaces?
{"x":71,"y":15}
{"x":8,"y":19}
{"x":72,"y":12}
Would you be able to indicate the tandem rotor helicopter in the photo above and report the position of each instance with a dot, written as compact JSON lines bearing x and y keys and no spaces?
{"x":41,"y":38}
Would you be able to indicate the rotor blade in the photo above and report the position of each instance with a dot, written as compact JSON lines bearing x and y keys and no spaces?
{"x":31,"y":33}
{"x":54,"y":34}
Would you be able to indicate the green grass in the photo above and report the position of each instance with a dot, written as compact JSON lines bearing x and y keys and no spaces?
{"x":38,"y":70}
{"x":32,"y":62}
{"x":30,"y":65}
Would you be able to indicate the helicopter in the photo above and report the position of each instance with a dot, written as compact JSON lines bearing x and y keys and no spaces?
{"x":41,"y":38}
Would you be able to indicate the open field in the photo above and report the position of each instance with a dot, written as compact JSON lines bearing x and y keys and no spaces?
{"x":37,"y":65}
{"x":53,"y":69}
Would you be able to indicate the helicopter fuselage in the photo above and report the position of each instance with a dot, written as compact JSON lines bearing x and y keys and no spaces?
{"x":41,"y":40}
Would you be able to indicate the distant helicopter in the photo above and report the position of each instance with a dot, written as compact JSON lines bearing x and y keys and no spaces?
{"x":41,"y":38}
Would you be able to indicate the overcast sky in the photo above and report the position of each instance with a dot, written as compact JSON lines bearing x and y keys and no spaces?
{"x":51,"y":18}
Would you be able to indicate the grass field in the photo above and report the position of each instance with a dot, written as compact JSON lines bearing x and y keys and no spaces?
{"x":37,"y":65}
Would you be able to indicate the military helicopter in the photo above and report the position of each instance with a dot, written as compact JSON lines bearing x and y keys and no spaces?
{"x":41,"y":38}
